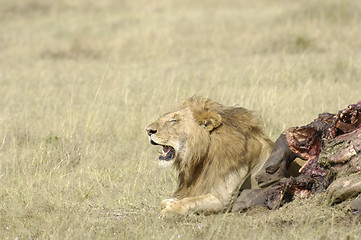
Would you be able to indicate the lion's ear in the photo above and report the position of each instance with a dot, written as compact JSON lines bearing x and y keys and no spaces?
{"x":209,"y":120}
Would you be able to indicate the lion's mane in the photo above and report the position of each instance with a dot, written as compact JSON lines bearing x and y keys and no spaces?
{"x":235,"y":141}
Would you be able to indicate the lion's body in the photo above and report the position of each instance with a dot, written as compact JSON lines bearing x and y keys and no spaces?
{"x":214,"y":148}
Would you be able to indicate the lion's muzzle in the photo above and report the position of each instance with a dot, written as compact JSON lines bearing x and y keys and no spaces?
{"x":167,"y":153}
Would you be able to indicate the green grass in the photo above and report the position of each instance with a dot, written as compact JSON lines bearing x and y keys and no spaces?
{"x":81,"y":79}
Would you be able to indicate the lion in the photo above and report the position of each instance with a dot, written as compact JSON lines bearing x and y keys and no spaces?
{"x":216,"y":151}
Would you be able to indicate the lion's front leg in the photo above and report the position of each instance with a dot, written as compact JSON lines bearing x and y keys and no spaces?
{"x":206,"y":203}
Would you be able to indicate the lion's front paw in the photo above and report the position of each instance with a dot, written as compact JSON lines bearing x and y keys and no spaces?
{"x":166,"y":202}
{"x":175,"y":208}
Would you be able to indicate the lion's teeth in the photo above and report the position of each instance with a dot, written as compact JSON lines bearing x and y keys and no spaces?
{"x":163,"y":153}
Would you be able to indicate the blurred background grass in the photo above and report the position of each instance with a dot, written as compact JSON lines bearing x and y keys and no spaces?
{"x":81,"y":79}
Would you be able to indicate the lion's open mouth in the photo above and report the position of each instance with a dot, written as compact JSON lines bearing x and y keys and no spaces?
{"x":167,"y":153}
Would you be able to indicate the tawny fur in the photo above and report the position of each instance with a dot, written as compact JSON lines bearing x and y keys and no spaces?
{"x":216,"y":147}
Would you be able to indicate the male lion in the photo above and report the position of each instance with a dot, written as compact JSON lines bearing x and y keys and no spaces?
{"x":214,"y":148}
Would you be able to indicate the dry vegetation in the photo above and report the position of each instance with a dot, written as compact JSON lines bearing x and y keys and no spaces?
{"x":81,"y":79}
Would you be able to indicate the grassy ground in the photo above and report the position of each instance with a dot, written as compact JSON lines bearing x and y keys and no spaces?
{"x":79,"y":81}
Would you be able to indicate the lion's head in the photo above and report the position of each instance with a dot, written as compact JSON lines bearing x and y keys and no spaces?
{"x":183,"y":131}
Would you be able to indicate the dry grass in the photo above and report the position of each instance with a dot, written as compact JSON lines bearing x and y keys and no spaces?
{"x":80,"y":80}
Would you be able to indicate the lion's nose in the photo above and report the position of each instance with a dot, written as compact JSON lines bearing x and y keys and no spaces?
{"x":151,"y":131}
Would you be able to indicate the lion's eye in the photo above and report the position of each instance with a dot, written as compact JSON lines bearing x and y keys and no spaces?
{"x":173,"y":120}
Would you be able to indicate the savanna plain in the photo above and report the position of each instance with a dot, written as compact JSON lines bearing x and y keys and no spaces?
{"x":80,"y":80}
